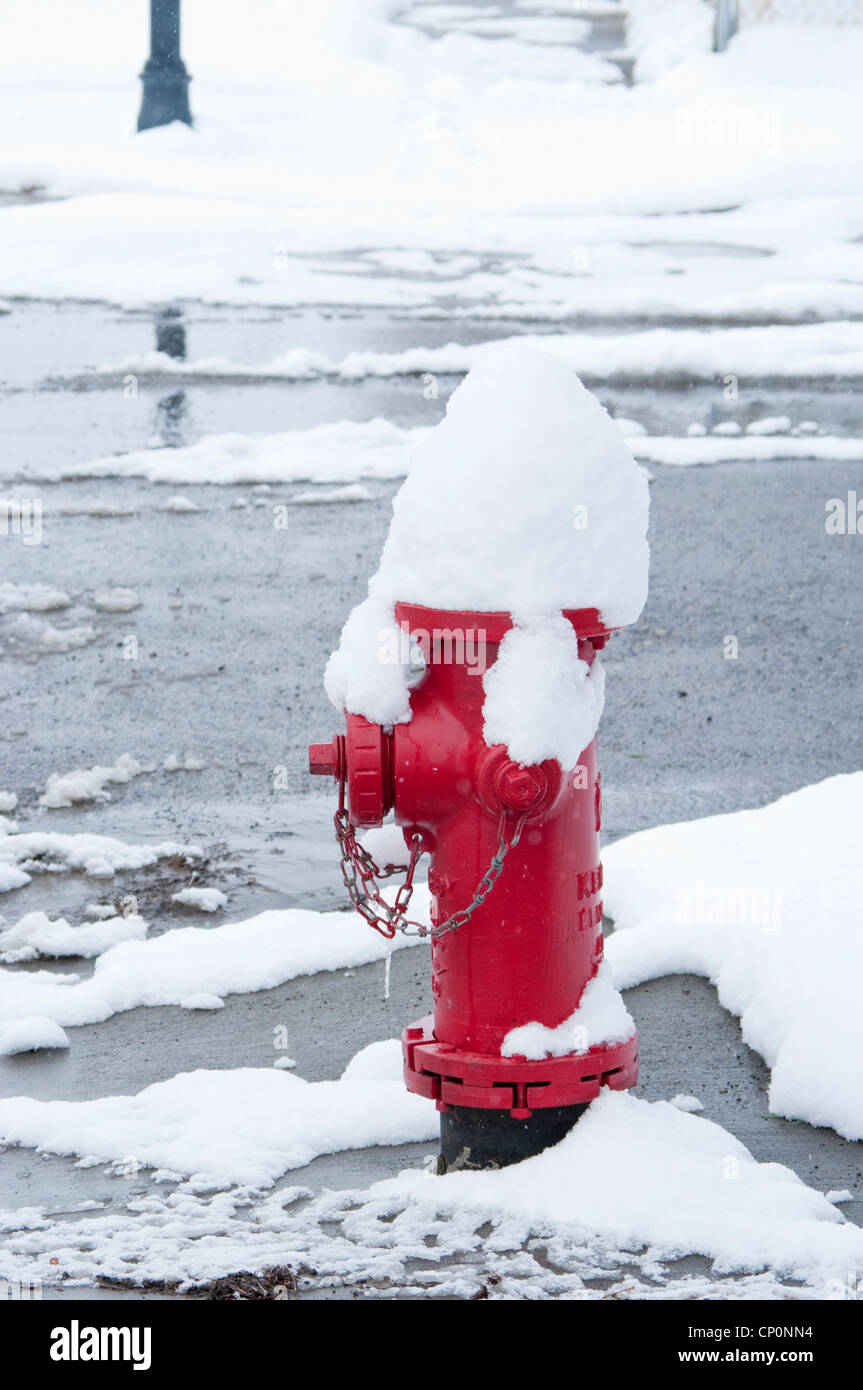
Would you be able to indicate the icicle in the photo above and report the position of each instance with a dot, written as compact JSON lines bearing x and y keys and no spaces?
{"x":387,"y":960}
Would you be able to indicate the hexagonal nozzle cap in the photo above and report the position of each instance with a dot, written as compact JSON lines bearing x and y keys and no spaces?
{"x":324,"y":759}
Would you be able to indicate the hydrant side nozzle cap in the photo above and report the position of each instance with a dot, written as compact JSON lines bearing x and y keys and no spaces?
{"x":324,"y":758}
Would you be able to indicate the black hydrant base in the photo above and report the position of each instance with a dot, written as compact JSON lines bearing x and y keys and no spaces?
{"x":474,"y":1138}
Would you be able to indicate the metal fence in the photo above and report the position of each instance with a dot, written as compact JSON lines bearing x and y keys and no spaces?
{"x":732,"y":15}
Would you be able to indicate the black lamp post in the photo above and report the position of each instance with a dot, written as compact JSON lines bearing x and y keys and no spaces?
{"x":165,"y":80}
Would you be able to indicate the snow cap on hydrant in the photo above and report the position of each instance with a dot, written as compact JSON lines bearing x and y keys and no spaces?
{"x":472,"y":690}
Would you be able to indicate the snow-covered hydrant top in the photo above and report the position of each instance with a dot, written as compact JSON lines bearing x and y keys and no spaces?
{"x":524,"y":499}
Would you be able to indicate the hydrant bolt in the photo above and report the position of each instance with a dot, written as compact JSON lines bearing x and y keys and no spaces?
{"x":519,"y":787}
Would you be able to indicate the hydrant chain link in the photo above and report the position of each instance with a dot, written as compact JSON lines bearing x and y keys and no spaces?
{"x":360,"y":875}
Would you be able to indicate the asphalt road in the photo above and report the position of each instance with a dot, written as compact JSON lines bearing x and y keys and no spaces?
{"x":234,"y":628}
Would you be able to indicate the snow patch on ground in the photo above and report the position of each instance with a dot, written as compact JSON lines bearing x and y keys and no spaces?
{"x":98,"y":856}
{"x":353,"y":492}
{"x":777,"y":352}
{"x":30,"y":636}
{"x":346,"y":451}
{"x":237,"y":958}
{"x":203,"y":899}
{"x":116,"y":600}
{"x":30,"y":1035}
{"x":188,"y":764}
{"x":691,"y":1104}
{"x":730,"y":897}
{"x":554,"y":1231}
{"x":179,"y":505}
{"x":32,"y":598}
{"x":88,"y":784}
{"x":726,"y":446}
{"x":218,"y":1128}
{"x":339,"y":453}
{"x":36,"y":935}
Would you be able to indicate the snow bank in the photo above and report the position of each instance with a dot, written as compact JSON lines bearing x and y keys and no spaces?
{"x":222,"y":1127}
{"x":765,"y":904}
{"x":239,"y":957}
{"x":525,"y":498}
{"x":88,"y":784}
{"x":601,"y":1017}
{"x":36,"y":935}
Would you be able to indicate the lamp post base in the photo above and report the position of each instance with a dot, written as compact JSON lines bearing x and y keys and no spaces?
{"x":471,"y":1138}
{"x":166,"y":95}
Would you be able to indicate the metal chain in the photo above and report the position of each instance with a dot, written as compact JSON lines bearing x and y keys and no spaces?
{"x":361,"y":876}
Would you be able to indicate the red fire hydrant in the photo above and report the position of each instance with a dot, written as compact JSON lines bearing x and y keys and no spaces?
{"x":515,"y":881}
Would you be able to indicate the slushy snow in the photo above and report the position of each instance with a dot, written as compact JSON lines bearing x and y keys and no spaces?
{"x":98,"y":856}
{"x":203,"y":899}
{"x":672,"y":1184}
{"x":525,"y":498}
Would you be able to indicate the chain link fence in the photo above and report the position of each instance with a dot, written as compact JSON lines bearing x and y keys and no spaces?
{"x":800,"y":11}
{"x":661,"y":33}
{"x":732,"y":15}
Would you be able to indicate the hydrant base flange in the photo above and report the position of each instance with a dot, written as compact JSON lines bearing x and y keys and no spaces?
{"x":455,"y":1078}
